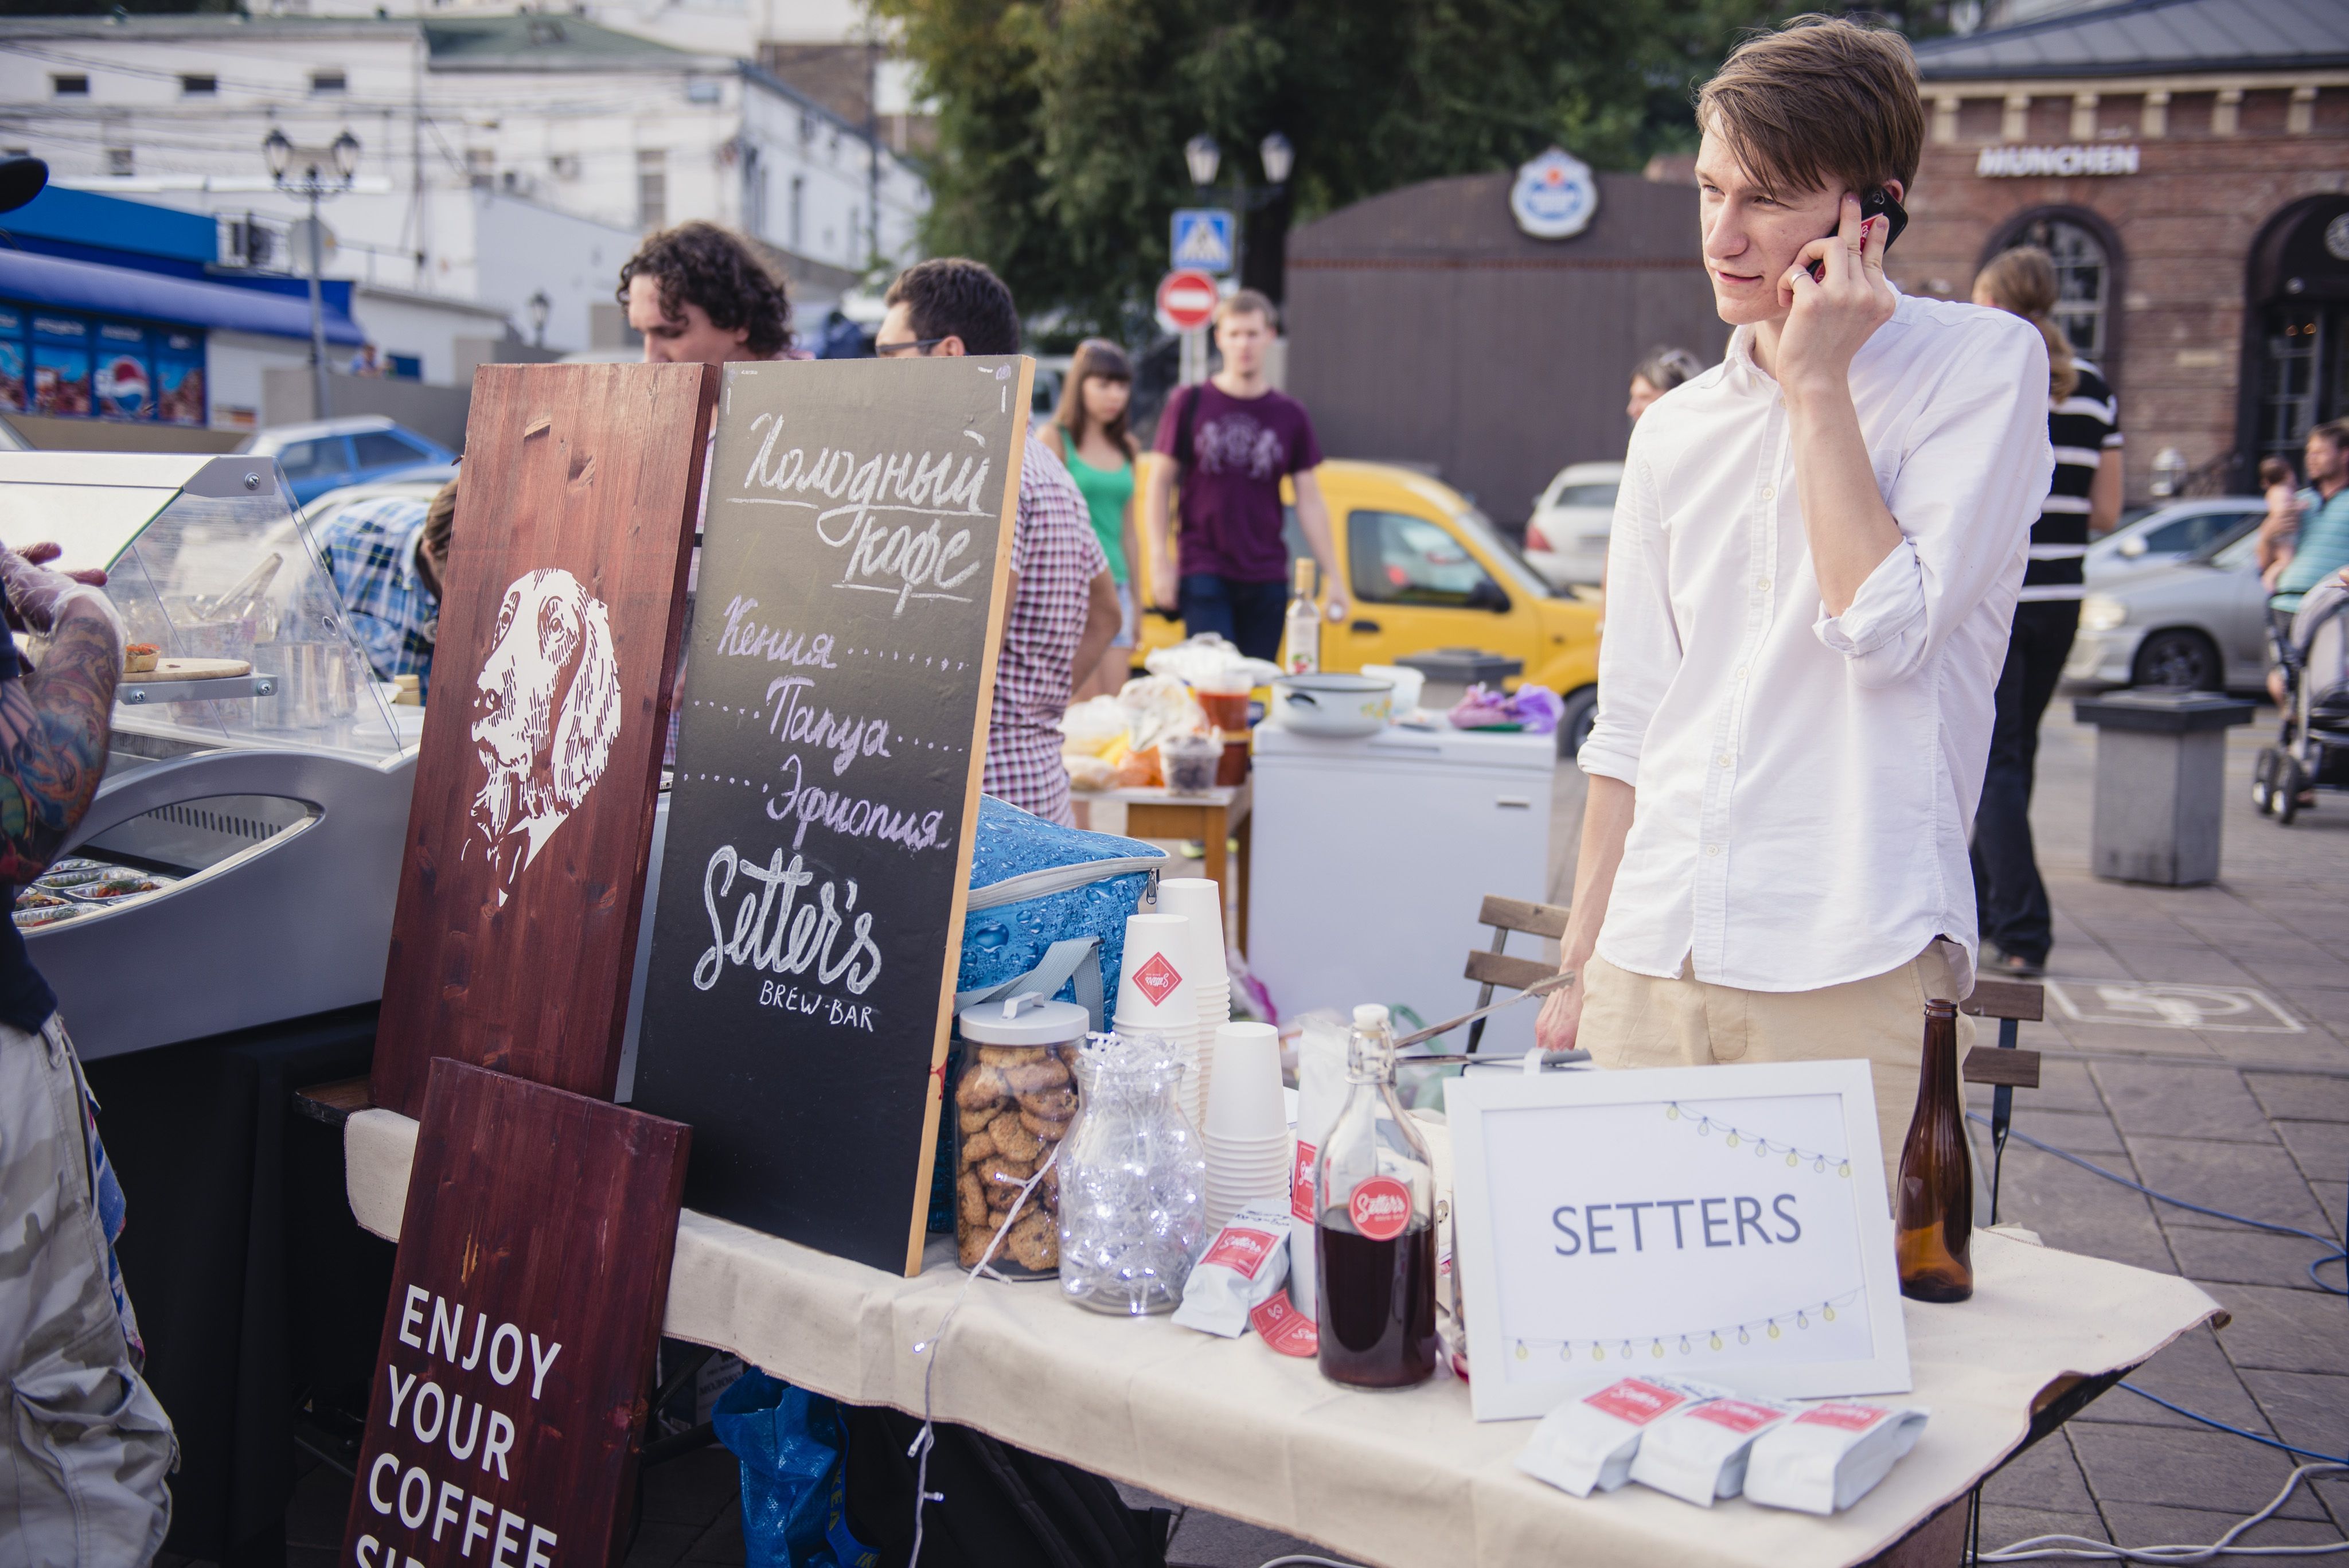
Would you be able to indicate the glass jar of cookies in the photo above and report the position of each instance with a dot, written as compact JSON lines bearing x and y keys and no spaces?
{"x":1013,"y":1101}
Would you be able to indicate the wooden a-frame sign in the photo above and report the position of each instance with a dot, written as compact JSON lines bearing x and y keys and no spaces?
{"x":832,"y":733}
{"x":512,"y":942}
{"x":510,"y":1385}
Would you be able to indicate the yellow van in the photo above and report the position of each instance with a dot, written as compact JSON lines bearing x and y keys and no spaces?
{"x":1426,"y":570}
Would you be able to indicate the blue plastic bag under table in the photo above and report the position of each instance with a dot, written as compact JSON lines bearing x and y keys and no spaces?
{"x":794,"y":1475}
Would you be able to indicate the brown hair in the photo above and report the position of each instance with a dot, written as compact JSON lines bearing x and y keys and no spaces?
{"x":1097,"y":358}
{"x":2274,"y":471}
{"x":1821,"y":102}
{"x":1248,"y":302}
{"x":2336,"y":432}
{"x":439,"y":520}
{"x":718,"y":270}
{"x":2022,"y":282}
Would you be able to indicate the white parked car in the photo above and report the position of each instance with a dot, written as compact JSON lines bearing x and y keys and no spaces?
{"x":2169,"y":534}
{"x":2201,"y":624}
{"x":1565,"y":538}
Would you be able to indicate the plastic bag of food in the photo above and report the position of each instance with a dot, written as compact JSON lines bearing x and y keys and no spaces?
{"x":1090,"y":728}
{"x":1090,"y":772}
{"x":1157,"y":706}
{"x":1205,"y":657}
{"x":1529,"y":710}
{"x":1243,"y":1266}
{"x":1588,"y":1444}
{"x":1831,"y":1454}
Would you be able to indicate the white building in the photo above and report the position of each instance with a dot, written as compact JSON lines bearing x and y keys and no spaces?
{"x":503,"y":155}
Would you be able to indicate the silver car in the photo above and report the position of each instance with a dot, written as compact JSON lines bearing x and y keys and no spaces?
{"x":2171,"y":533}
{"x":1565,"y":538}
{"x":2201,"y":624}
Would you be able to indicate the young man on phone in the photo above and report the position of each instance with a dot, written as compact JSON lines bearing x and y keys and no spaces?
{"x":1816,"y":554}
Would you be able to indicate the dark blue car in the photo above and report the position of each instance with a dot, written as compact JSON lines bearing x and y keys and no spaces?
{"x":328,"y":454}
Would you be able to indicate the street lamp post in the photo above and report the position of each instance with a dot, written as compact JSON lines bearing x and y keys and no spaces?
{"x":1204,"y":158}
{"x":322,"y":172}
{"x":540,"y":306}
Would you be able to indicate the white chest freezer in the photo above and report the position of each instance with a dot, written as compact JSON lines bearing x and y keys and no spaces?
{"x":1372,"y":859}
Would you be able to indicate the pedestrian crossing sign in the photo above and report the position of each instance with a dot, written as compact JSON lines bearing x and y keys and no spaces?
{"x":1202,"y":239}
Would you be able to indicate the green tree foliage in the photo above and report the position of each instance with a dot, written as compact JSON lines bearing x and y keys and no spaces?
{"x":1062,"y":122}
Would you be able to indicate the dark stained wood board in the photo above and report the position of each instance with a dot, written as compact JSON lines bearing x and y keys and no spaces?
{"x":808,"y":928}
{"x":521,"y":884}
{"x":537,"y":1236}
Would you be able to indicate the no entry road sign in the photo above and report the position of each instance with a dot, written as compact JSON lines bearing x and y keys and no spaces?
{"x":1186,"y":299}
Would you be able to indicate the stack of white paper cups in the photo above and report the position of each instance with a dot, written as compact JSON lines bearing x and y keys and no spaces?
{"x":1246,"y":1129}
{"x":1200,"y":899}
{"x":1156,"y":994}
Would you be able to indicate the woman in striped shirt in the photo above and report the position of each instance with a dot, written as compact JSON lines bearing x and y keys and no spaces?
{"x":2084,"y":501}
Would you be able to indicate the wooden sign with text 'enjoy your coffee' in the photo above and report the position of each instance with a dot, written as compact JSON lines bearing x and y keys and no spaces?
{"x":833,"y":728}
{"x":512,"y":1384}
{"x":524,"y":868}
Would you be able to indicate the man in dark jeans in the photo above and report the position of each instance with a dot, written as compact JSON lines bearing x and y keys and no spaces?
{"x":1233,"y":438}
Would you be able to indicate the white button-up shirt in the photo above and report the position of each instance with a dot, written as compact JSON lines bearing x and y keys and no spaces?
{"x":1806,"y":783}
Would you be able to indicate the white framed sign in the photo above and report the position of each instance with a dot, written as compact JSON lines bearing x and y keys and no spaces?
{"x":1728,"y":1223}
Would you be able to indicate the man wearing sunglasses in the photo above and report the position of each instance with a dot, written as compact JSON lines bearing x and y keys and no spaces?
{"x":1064,"y":607}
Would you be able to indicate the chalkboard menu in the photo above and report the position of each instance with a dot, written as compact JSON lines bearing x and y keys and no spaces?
{"x":526,"y":1303}
{"x":855,"y":558}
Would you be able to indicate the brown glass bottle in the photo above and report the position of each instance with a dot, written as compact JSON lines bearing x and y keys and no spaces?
{"x":1934,"y":1214}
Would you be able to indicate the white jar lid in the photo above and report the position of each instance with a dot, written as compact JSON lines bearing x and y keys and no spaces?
{"x":1027,"y":1019}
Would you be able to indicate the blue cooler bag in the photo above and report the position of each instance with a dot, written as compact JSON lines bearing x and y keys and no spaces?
{"x":1038,"y":894}
{"x":1047,"y":912}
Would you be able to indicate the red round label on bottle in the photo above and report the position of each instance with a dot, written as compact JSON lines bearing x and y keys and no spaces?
{"x":1380,"y":1208}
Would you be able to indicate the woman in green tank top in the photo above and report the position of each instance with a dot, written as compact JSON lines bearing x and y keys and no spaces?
{"x":1088,"y":434}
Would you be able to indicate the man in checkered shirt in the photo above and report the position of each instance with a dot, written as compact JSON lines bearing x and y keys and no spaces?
{"x":1064,"y":607}
{"x":386,"y":555}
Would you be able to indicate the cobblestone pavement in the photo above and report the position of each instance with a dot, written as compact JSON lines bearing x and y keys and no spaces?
{"x":2195,"y":1041}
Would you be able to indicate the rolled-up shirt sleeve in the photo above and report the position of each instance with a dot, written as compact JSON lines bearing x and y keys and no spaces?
{"x":1640,"y":648}
{"x":1969,"y":487}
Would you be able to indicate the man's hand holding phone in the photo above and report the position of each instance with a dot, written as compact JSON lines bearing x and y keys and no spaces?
{"x":1830,"y":315}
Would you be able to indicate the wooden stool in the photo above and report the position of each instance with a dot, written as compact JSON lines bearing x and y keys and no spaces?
{"x":2004,"y":1066}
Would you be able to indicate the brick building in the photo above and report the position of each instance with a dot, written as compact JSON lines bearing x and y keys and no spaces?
{"x":2186,"y":161}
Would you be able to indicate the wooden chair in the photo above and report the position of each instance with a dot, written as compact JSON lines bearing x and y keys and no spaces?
{"x":1493,"y":967}
{"x":2005,"y":1066}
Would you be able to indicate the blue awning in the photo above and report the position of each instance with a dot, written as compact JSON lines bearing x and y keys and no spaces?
{"x":102,"y":290}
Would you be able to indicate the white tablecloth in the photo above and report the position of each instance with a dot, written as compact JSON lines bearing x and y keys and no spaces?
{"x":1401,"y":1479}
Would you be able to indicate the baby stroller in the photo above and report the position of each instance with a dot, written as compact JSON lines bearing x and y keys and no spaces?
{"x":2312,"y":753}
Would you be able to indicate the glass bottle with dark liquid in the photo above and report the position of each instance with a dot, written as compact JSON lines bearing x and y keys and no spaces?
{"x":1934,"y":1218}
{"x":1374,"y":1239}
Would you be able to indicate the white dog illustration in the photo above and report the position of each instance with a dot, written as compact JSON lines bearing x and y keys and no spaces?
{"x":544,"y":717}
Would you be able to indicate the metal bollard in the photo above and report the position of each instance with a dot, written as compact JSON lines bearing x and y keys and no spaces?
{"x":2161,"y":755}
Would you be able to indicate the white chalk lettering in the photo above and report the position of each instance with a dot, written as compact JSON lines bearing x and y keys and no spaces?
{"x":747,"y":638}
{"x":848,"y":739}
{"x":499,"y":1443}
{"x":801,"y":939}
{"x":507,"y":1334}
{"x":538,"y":1365}
{"x":412,"y":1313}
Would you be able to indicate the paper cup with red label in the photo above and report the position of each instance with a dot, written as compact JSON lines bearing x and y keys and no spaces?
{"x":1587,"y":1444}
{"x":1155,"y":982}
{"x":1244,"y":1266}
{"x":1830,"y":1455}
{"x":1699,"y":1452}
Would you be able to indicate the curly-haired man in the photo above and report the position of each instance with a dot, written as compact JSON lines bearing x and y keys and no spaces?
{"x":697,"y":292}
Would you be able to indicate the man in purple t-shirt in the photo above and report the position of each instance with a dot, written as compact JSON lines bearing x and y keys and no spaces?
{"x":1243,"y":436}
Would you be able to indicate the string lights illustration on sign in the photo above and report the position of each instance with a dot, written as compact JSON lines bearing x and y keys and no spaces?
{"x":1555,"y":196}
{"x":2030,"y":163}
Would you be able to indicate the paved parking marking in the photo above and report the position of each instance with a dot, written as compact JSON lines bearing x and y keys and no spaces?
{"x":2155,"y":1004}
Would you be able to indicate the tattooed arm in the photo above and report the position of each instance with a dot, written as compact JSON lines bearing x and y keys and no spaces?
{"x":53,"y":721}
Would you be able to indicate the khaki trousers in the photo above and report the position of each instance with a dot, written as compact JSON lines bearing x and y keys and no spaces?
{"x":1638,"y":1020}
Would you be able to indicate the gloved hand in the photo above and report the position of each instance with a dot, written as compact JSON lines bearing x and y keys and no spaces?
{"x":33,"y":594}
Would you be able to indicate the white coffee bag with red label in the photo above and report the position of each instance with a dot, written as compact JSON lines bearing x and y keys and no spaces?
{"x":1589,"y":1442}
{"x":1243,"y":1266}
{"x":1699,"y":1452}
{"x":1829,"y":1456}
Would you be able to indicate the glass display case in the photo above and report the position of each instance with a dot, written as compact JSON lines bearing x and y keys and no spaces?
{"x":241,"y":861}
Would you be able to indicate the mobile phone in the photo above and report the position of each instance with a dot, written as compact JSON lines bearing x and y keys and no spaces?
{"x":1876,"y":204}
